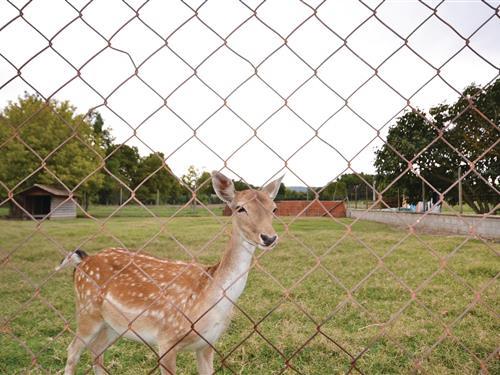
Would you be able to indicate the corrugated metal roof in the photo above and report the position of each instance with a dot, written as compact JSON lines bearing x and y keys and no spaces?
{"x":53,"y":190}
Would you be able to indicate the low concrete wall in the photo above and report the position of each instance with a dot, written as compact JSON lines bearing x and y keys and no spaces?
{"x":488,"y":227}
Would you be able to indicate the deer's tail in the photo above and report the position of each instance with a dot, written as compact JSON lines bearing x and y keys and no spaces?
{"x":72,"y":259}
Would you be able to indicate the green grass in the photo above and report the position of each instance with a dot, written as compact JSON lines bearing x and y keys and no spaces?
{"x":134,"y":210}
{"x":279,"y":291}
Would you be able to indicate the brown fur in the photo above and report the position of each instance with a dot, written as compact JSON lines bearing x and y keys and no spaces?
{"x":172,"y":305}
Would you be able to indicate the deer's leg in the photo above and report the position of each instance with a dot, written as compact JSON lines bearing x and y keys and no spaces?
{"x":205,"y":359}
{"x":103,"y":340}
{"x":88,"y":328}
{"x":168,"y":355}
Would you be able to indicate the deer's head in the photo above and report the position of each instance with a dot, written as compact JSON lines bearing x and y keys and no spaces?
{"x":252,"y":209}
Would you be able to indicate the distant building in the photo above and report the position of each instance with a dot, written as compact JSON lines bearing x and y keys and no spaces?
{"x":41,"y":200}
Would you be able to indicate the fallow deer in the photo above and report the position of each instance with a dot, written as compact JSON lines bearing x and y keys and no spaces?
{"x":168,"y":304}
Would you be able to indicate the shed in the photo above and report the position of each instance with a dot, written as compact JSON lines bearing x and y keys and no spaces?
{"x":42,"y":200}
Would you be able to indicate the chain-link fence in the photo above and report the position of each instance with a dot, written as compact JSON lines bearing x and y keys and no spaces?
{"x":337,"y":294}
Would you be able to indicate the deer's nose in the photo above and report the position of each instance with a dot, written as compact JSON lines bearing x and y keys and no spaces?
{"x":268,"y":240}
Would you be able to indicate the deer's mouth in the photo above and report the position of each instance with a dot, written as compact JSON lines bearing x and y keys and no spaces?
{"x":262,"y":245}
{"x":268,"y":247}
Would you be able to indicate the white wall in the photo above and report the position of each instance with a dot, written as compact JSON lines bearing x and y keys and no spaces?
{"x":486,"y":227}
{"x":65,"y":211}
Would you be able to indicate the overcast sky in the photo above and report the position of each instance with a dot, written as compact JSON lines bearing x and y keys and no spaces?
{"x":326,"y":43}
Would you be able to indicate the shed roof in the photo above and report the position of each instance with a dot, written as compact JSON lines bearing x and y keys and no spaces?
{"x":52,"y":190}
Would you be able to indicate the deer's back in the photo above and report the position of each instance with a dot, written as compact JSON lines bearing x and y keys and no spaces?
{"x":152,"y":293}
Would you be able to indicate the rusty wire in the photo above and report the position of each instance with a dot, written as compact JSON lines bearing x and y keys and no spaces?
{"x":349,"y":292}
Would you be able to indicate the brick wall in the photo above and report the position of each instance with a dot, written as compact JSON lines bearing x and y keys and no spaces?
{"x":314,"y":208}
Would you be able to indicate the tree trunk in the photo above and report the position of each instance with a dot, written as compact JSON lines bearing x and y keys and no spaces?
{"x":469,"y":199}
{"x":85,"y":202}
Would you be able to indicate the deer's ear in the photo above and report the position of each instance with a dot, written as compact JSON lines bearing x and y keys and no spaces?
{"x":273,"y":187}
{"x":223,"y":187}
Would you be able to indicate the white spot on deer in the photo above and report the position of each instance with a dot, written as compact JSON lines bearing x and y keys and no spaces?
{"x":157,"y":314}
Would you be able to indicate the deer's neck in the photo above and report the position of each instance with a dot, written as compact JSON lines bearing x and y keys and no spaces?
{"x":232,"y":273}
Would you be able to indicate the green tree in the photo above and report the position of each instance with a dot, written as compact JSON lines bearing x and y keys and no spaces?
{"x":190,"y":179}
{"x":156,"y":180}
{"x":204,"y":185}
{"x":344,"y":186}
{"x":242,"y":185}
{"x":334,"y":190}
{"x":475,"y":135}
{"x":122,"y":162}
{"x":281,"y":192}
{"x":38,"y":137}
{"x":466,"y":127}
{"x":104,"y":134}
{"x":292,"y":195}
{"x":411,"y":134}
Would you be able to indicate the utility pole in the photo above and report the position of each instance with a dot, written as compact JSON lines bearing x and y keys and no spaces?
{"x":193,"y":205}
{"x":460,"y":207}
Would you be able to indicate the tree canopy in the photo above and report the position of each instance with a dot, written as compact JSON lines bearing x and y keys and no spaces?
{"x":155,"y":180}
{"x":49,"y":143}
{"x":42,"y":139}
{"x":437,"y":143}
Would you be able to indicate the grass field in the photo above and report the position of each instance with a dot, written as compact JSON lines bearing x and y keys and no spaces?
{"x":29,"y":328}
{"x":133,"y":210}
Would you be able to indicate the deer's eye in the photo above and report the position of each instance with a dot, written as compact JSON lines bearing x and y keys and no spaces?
{"x":240,"y":209}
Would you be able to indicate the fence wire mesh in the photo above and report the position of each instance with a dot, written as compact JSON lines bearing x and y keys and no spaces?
{"x":375,"y":253}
